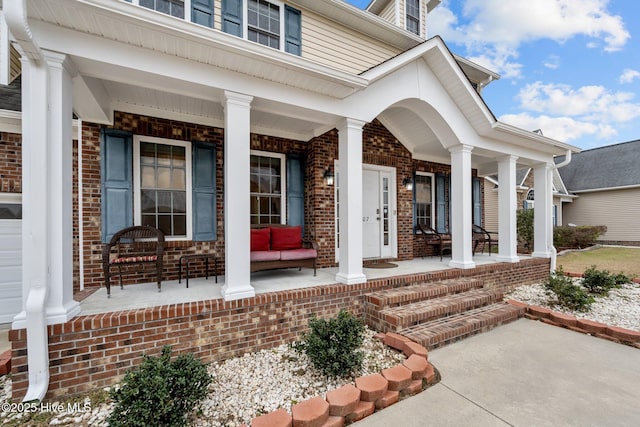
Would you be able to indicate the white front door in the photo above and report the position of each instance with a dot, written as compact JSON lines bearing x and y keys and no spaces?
{"x":378,"y":213}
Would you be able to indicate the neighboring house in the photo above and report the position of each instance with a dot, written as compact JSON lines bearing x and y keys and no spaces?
{"x":209,"y":116}
{"x":607,"y":183}
{"x":525,"y":196}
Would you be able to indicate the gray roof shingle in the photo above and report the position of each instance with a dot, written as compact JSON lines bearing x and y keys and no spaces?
{"x":10,"y":96}
{"x":603,"y":167}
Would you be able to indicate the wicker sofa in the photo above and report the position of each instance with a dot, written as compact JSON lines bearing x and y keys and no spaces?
{"x":276,"y":246}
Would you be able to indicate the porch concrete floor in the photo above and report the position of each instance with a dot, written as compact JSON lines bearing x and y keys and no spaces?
{"x":146,"y":295}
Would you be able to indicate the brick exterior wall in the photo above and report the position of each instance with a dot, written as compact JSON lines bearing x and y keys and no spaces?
{"x":94,"y":351}
{"x":10,"y":163}
{"x":380,"y":148}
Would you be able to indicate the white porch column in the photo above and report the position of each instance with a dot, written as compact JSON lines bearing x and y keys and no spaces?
{"x":507,"y":201}
{"x":61,"y":306}
{"x":47,"y":184}
{"x":543,"y":205}
{"x":350,"y":156}
{"x":461,"y":207}
{"x":237,"y":235}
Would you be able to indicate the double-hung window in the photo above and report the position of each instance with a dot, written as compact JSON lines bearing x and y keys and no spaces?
{"x":263,"y":23}
{"x":170,"y":7}
{"x":424,"y":197}
{"x":268,"y":22}
{"x":201,"y":10}
{"x":162,"y":185}
{"x":412,"y":8}
{"x":267,"y":188}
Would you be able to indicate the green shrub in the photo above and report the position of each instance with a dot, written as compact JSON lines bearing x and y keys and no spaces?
{"x":567,"y":294}
{"x":598,"y":282}
{"x":621,"y":279}
{"x":524,"y":220}
{"x":333,"y":345}
{"x":577,"y":237}
{"x":160,"y":392}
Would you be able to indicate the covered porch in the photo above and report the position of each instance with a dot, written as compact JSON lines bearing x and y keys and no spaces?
{"x":145,"y":295}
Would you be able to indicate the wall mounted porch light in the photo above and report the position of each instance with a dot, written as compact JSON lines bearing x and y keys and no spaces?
{"x":408,"y":183}
{"x":328,"y":177}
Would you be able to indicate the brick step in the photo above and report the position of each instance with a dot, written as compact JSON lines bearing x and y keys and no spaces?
{"x":401,"y":317}
{"x":418,"y":292}
{"x":453,"y":328}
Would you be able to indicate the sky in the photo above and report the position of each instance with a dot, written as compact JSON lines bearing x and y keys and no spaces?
{"x":570,"y":68}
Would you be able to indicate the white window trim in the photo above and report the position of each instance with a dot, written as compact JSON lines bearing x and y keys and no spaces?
{"x":433,"y":195}
{"x":187,"y":9}
{"x":245,"y":20}
{"x":283,"y":180}
{"x":137,"y":214}
{"x":419,"y":18}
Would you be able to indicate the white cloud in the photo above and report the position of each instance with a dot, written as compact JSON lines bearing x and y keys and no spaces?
{"x":592,"y":103}
{"x":629,"y":75}
{"x":564,"y":129}
{"x":494,"y":29}
{"x":552,"y":62}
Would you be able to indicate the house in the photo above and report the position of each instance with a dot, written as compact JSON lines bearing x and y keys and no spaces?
{"x":202,"y":117}
{"x":606,"y":181}
{"x":525,"y":196}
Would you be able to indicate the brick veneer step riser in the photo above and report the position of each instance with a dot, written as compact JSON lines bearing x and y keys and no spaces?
{"x":454,"y":328}
{"x":398,"y":318}
{"x":421,"y":291}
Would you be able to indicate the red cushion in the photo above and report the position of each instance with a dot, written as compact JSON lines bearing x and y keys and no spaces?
{"x":265,"y":256}
{"x":286,"y":238}
{"x":294,"y":254}
{"x":134,"y":259}
{"x":260,"y":239}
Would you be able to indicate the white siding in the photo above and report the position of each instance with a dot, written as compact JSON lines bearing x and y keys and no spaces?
{"x":326,"y":42}
{"x":389,"y":13}
{"x":490,"y":206}
{"x":617,"y":209}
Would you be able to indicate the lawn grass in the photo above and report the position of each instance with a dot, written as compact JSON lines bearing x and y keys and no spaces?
{"x":615,"y":260}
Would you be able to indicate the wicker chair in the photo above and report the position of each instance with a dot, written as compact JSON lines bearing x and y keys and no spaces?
{"x":133,"y":245}
{"x":480,"y":235}
{"x":434,"y":239}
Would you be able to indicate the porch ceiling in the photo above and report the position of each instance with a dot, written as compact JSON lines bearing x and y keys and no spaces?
{"x":204,"y":105}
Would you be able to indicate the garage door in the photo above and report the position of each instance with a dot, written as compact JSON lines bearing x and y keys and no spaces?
{"x":10,"y":261}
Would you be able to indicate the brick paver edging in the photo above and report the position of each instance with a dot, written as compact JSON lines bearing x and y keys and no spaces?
{"x":570,"y":274}
{"x":585,"y":326}
{"x":353,"y":402}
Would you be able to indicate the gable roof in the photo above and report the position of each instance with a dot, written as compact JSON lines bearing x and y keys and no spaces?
{"x":608,"y":167}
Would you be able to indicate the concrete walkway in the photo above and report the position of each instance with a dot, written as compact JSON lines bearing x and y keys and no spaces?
{"x":525,"y":373}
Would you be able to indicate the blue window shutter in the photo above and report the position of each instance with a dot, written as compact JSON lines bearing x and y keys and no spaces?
{"x":232,"y":17}
{"x":441,"y":203}
{"x":295,"y":190}
{"x":415,"y":208}
{"x":204,"y":192}
{"x":116,"y":174}
{"x":292,"y":31}
{"x":477,"y":203}
{"x":202,"y":12}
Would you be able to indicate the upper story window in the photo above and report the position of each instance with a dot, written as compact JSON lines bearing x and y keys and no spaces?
{"x":270,"y":23}
{"x":263,"y":23}
{"x":412,"y":8}
{"x":201,"y":10}
{"x":170,"y":7}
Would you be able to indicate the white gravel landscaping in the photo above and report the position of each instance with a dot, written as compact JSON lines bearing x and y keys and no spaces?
{"x":242,"y":388}
{"x":621,"y":308}
{"x":258,"y":383}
